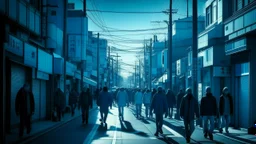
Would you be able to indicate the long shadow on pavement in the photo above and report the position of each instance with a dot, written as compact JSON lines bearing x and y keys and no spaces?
{"x":128,"y":128}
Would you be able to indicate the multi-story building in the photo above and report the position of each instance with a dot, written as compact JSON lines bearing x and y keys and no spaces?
{"x":213,"y":64}
{"x":240,"y":40}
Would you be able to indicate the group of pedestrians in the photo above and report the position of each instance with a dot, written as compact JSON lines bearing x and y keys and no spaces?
{"x":208,"y":110}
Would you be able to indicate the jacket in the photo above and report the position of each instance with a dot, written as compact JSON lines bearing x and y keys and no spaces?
{"x":147,"y":98}
{"x":73,"y":97}
{"x":104,"y":101}
{"x":179,"y":97}
{"x":208,"y":105}
{"x":138,"y":98}
{"x":189,"y":108}
{"x":21,"y":103}
{"x":60,"y":99}
{"x":85,"y":100}
{"x":171,"y":100}
{"x":222,"y":103}
{"x":159,"y":104}
{"x":122,"y":98}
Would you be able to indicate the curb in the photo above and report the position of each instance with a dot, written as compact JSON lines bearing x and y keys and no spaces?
{"x":43,"y":132}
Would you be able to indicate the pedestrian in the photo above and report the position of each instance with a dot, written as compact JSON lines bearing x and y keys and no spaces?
{"x":138,"y":102}
{"x":104,"y":102}
{"x":25,"y":108}
{"x":85,"y":103}
{"x":67,"y":93}
{"x":208,"y":110}
{"x":59,"y":101}
{"x":147,"y":101}
{"x":159,"y":105}
{"x":171,"y":100}
{"x":73,"y":101}
{"x":112,"y":98}
{"x":122,"y":100}
{"x":188,"y":109}
{"x":179,"y":97}
{"x":225,"y":109}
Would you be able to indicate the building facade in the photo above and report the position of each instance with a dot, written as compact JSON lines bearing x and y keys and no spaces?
{"x":240,"y":37}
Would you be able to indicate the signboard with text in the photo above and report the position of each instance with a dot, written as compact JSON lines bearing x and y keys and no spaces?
{"x":76,"y":47}
{"x":15,"y":45}
{"x":30,"y":55}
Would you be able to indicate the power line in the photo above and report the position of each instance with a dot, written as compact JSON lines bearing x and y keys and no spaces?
{"x":129,"y":12}
{"x":135,"y":30}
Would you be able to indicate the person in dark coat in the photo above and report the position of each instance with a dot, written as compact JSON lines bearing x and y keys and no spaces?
{"x":104,"y":101}
{"x":25,"y":108}
{"x":159,"y":105}
{"x":225,"y":109}
{"x":188,"y":109}
{"x":171,"y":100}
{"x":179,"y":97}
{"x":208,"y":110}
{"x":85,"y":103}
{"x":59,"y":101}
{"x":73,"y":100}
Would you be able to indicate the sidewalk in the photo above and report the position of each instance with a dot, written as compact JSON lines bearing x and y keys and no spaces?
{"x":42,"y":127}
{"x":239,"y":136}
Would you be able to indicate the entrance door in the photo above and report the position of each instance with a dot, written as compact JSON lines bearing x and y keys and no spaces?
{"x":244,"y":101}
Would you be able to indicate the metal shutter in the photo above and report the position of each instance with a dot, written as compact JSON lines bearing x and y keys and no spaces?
{"x":244,"y":102}
{"x":36,"y":92}
{"x":18,"y":77}
{"x":43,"y":100}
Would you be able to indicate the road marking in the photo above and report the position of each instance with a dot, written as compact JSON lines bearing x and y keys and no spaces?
{"x":114,"y":138}
{"x":172,"y":131}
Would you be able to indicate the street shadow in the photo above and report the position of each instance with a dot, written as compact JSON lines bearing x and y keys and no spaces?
{"x":128,"y":128}
{"x":145,"y":121}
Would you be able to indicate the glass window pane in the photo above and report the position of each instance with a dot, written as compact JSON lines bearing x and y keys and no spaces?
{"x":37,"y":24}
{"x":13,"y":9}
{"x":239,"y":4}
{"x":32,"y":20}
{"x":22,"y":14}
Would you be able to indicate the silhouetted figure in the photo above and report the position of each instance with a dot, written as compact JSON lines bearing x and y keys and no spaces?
{"x":59,"y":101}
{"x":159,"y":105}
{"x":147,"y":101}
{"x":179,"y":97}
{"x":85,"y":103}
{"x":104,"y":102}
{"x":208,"y":110}
{"x":138,"y":102}
{"x":73,"y":100}
{"x":188,"y":109}
{"x":25,"y":108}
{"x":225,"y":109}
{"x":122,"y":100}
{"x":171,"y":100}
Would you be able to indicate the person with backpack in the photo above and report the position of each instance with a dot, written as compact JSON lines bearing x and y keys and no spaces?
{"x":85,"y":103}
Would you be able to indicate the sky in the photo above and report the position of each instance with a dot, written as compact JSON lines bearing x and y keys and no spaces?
{"x":107,"y":23}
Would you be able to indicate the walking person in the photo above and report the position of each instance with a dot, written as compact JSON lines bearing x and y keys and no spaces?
{"x":85,"y":103}
{"x":159,"y":105}
{"x":73,"y":100}
{"x":122,"y":101}
{"x":171,"y":100}
{"x":25,"y":108}
{"x":138,"y":102}
{"x":179,"y":97}
{"x":188,"y":109}
{"x":147,"y":101}
{"x":59,"y":101}
{"x":225,"y":109}
{"x":104,"y":102}
{"x":208,"y":110}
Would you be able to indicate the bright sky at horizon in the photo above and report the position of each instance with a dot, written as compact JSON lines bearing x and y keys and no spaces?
{"x":107,"y":24}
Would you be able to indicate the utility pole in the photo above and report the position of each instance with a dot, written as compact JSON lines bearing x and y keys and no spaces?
{"x":144,"y":63}
{"x":135,"y":76}
{"x":117,"y":66}
{"x":150,"y":69}
{"x":139,"y":73}
{"x":170,"y":47}
{"x":98,"y":61}
{"x":112,"y":72}
{"x":109,"y":66}
{"x":83,"y":61}
{"x":187,"y":9}
{"x":194,"y":49}
{"x":65,"y":44}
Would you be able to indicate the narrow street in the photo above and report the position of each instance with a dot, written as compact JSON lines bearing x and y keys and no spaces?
{"x":129,"y":131}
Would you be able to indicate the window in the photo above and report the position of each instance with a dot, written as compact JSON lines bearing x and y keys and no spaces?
{"x":214,"y":11}
{"x":71,"y":6}
{"x":208,"y":16}
{"x":239,"y":4}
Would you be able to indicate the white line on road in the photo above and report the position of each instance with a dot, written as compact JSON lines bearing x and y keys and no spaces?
{"x":172,"y":131}
{"x":114,"y":138}
{"x":91,"y":135}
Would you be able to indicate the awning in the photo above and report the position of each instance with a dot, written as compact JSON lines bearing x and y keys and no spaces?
{"x":58,"y":64}
{"x":90,"y":81}
{"x":70,"y":69}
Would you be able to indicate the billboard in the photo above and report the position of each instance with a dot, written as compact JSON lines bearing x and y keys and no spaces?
{"x":76,"y":47}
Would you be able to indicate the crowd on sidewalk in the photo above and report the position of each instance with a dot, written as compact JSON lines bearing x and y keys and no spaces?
{"x":157,"y":101}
